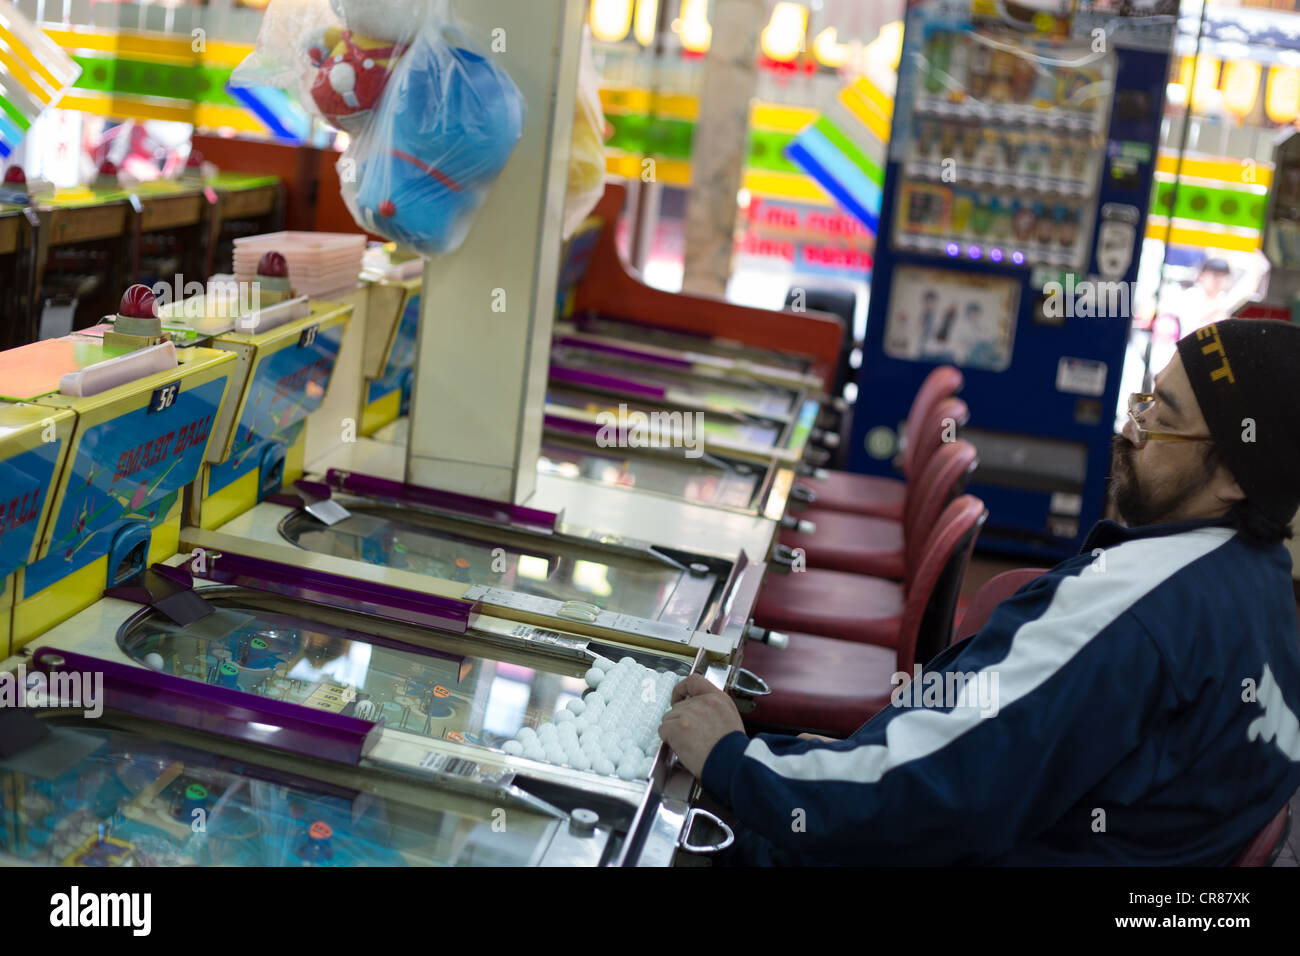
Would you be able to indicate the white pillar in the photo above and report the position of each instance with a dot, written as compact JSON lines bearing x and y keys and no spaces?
{"x":720,"y":144}
{"x":487,"y":309}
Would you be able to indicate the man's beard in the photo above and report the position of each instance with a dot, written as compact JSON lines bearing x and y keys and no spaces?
{"x":1137,"y":504}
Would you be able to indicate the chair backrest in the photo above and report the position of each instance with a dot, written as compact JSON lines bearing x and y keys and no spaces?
{"x":943,"y":479}
{"x":943,"y":382}
{"x":994,"y":592}
{"x":1267,"y":844}
{"x":938,"y":428}
{"x":926,"y":627}
{"x":840,"y":302}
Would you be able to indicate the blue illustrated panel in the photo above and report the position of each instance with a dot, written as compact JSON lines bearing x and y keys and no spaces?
{"x":26,"y":480}
{"x":289,"y":386}
{"x":128,"y":470}
{"x":402,"y":359}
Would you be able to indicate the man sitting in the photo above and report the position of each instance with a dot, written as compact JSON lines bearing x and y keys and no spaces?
{"x":1148,"y":687}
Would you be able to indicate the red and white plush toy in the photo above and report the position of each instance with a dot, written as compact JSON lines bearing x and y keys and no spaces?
{"x":356,"y":60}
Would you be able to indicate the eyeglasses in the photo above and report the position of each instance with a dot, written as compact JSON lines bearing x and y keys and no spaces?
{"x":1139,"y":403}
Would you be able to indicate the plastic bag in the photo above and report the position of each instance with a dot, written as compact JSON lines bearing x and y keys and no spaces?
{"x":432,"y":121}
{"x":587,"y":162}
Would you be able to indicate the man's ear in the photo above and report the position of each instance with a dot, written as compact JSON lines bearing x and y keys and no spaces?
{"x":1226,"y":488}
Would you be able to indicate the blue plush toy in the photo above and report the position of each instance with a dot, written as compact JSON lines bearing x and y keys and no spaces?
{"x":444,"y":129}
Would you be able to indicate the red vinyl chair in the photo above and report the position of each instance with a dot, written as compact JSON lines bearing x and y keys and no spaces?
{"x":830,"y":686}
{"x":848,"y":606}
{"x":878,"y":546}
{"x":874,"y":494}
{"x":1267,"y":844}
{"x":994,"y":592}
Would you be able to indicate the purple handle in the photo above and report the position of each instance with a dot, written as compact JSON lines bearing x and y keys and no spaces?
{"x":372,"y":487}
{"x":652,"y":358}
{"x":592,"y":430}
{"x":220,"y":710}
{"x":574,"y":426}
{"x":333,"y":590}
{"x":583,"y":378}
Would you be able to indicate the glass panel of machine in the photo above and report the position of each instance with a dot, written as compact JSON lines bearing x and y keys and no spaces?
{"x":446,"y":549}
{"x":713,"y":391}
{"x":444,"y":693}
{"x":964,"y":318}
{"x":137,"y":801}
{"x":716,"y":428}
{"x":647,"y":335}
{"x":733,"y":485}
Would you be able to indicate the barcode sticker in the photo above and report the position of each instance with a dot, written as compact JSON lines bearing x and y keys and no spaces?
{"x":446,"y":764}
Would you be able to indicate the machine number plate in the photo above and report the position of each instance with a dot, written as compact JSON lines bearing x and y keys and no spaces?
{"x":622,"y":623}
{"x":164,"y":398}
{"x":528,"y":632}
{"x":331,"y":697}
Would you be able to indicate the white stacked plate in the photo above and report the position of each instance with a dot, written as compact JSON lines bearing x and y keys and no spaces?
{"x":320,"y":263}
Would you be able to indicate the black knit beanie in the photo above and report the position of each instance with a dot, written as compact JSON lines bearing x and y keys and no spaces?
{"x":1245,"y":374}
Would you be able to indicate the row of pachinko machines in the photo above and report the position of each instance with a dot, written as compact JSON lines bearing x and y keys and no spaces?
{"x":232,"y":633}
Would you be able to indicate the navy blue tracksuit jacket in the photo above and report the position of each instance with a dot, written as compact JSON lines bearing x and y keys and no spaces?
{"x":1135,"y":705}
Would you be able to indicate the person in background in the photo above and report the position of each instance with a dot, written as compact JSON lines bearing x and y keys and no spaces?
{"x":1206,"y":300}
{"x":1147,"y":688}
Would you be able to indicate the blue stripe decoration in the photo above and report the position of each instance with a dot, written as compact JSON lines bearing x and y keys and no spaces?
{"x":9,"y":132}
{"x":836,"y":164}
{"x":252,"y":101}
{"x":801,"y":157}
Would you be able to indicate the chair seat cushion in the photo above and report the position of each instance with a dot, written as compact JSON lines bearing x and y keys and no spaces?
{"x":850,"y":607}
{"x":857,"y":494}
{"x":854,"y":543}
{"x":820,"y":684}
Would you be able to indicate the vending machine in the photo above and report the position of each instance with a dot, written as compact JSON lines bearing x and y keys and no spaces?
{"x":1016,"y":194}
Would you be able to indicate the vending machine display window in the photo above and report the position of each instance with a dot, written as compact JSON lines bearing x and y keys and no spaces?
{"x":961,"y":318}
{"x":1005,"y":147}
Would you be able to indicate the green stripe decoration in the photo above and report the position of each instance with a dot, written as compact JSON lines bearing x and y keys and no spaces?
{"x":850,"y":150}
{"x":652,"y":135}
{"x":1224,"y":207}
{"x":644,"y":135}
{"x":14,"y":114}
{"x":125,"y":77}
{"x":767,"y":152}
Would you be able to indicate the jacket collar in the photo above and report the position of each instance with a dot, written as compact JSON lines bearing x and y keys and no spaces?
{"x":1107,"y":533}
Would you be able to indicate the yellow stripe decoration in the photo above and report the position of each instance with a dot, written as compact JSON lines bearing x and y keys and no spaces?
{"x":24,"y":77}
{"x":149,"y":47}
{"x":876,"y":96}
{"x":202,"y":114}
{"x":19,"y":48}
{"x":674,"y":172}
{"x":1231,"y":171}
{"x":860,"y":106}
{"x":792,"y":186}
{"x":782,"y":119}
{"x":1157,"y":228}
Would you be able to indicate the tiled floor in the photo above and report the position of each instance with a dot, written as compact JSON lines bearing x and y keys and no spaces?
{"x":985,"y":567}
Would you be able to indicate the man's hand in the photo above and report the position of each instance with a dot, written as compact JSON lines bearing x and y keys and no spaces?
{"x":701,"y":715}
